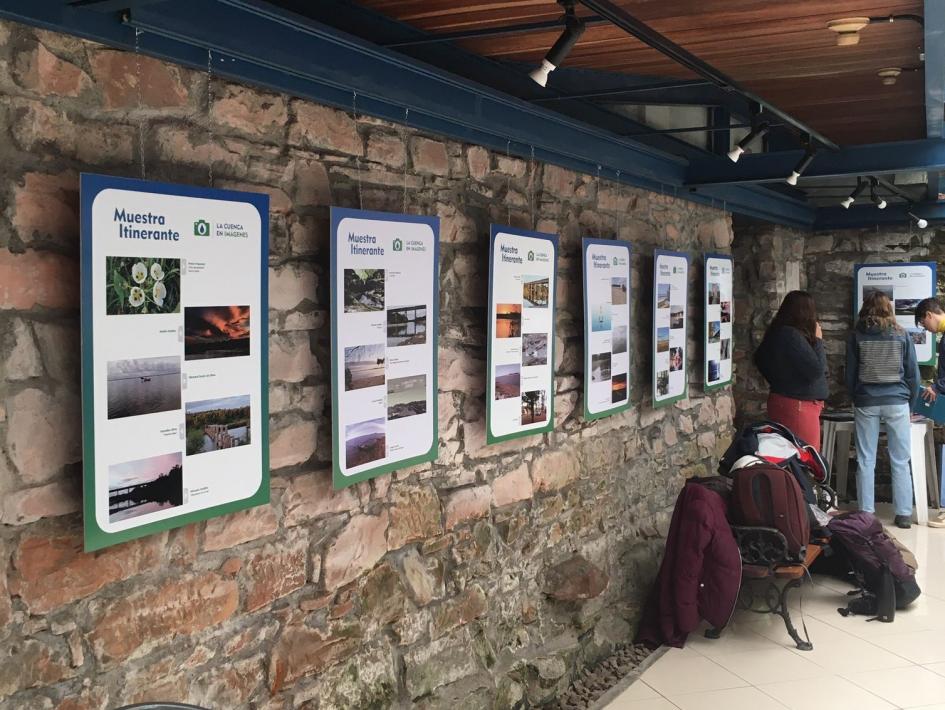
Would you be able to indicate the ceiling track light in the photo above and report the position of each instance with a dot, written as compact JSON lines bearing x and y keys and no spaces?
{"x":801,"y":166}
{"x":848,"y":29}
{"x":920,"y":223}
{"x":848,"y":202}
{"x":880,"y":202}
{"x":573,"y":29}
{"x":735,"y":153}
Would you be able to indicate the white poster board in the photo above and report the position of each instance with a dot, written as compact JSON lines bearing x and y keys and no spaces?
{"x":175,"y":355}
{"x":906,"y":283}
{"x":385,"y":297}
{"x":606,"y":327}
{"x":719,"y":315}
{"x":522,"y":290}
{"x":670,"y":317}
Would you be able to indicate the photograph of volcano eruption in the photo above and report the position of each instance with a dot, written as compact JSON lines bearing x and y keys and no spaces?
{"x":216,"y":331}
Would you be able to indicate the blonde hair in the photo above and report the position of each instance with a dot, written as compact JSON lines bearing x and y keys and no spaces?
{"x":878,"y":312}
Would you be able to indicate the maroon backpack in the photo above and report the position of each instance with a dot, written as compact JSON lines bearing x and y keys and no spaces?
{"x":765,"y":495}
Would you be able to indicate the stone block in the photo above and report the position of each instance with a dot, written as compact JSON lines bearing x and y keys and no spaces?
{"x":23,"y":360}
{"x":553,"y":471}
{"x":235,"y":529}
{"x":275,"y":571}
{"x":250,"y":113}
{"x":318,"y":127}
{"x":37,"y":442}
{"x":293,"y":443}
{"x":32,"y":663}
{"x":38,"y":278}
{"x":310,"y":496}
{"x":61,"y":497}
{"x":360,"y":546}
{"x":414,"y":515}
{"x":575,"y":580}
{"x":438,"y":663}
{"x":42,"y":72}
{"x":429,"y":157}
{"x":467,"y":504}
{"x":302,"y":651}
{"x":479,"y":162}
{"x":387,"y":150}
{"x":117,"y":75}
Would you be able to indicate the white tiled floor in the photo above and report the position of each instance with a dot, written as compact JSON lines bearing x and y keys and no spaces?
{"x":855,"y":664}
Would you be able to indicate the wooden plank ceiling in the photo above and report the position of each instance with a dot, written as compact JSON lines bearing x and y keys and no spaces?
{"x":781,"y":50}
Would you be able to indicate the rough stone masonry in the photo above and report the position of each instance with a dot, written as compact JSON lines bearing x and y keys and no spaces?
{"x":452,"y":581}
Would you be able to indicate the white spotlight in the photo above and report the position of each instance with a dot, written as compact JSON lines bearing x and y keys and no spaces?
{"x":860,"y":186}
{"x":735,"y":153}
{"x":540,"y":75}
{"x":573,"y":29}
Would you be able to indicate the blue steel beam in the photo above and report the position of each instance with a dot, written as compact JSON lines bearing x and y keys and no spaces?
{"x":865,"y":216}
{"x":255,"y":43}
{"x":872,"y":159}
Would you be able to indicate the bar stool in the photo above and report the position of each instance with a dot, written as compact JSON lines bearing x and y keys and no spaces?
{"x":838,"y":433}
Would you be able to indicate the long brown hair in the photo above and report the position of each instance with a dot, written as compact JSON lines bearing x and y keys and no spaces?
{"x":797,"y":311}
{"x":877,"y":312}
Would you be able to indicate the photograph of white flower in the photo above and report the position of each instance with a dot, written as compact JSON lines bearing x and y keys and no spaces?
{"x":141,"y":285}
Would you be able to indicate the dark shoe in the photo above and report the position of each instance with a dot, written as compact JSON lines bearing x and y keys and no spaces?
{"x":903,"y":521}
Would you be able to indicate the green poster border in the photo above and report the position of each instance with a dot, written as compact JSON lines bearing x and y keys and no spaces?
{"x":931,"y":264}
{"x":706,"y":387}
{"x":587,"y":242}
{"x":90,"y":185}
{"x":339,"y":479}
{"x":494,"y":230}
{"x":657,"y":253}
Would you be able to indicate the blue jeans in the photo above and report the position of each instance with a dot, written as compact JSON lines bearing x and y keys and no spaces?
{"x":896,"y":418}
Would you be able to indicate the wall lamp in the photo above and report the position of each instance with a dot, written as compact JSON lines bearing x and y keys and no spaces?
{"x":735,"y":153}
{"x":920,"y":223}
{"x":860,"y":186}
{"x":802,"y":165}
{"x":848,"y":28}
{"x":573,"y":29}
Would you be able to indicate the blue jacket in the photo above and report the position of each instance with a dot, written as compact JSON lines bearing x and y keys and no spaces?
{"x":881,"y":368}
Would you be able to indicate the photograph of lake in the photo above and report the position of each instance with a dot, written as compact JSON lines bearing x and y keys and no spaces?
{"x":145,"y":486}
{"x":143,"y":386}
{"x":365,"y":442}
{"x":662,"y":296}
{"x":406,"y":396}
{"x":618,"y":290}
{"x":364,"y":366}
{"x":507,"y":381}
{"x":364,"y":290}
{"x":508,"y":320}
{"x":662,"y":340}
{"x":215,"y":331}
{"x":406,"y":326}
{"x":619,"y":343}
{"x":215,"y":424}
{"x":600,"y":317}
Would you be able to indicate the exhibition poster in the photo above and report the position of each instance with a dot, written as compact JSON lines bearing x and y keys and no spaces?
{"x":385,"y":298}
{"x":175,"y":375}
{"x":606,"y":327}
{"x":522,"y":279}
{"x":718,"y":320}
{"x":670,"y":294}
{"x":906,"y":283}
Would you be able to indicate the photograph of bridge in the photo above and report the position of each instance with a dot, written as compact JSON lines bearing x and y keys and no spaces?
{"x":145,"y":486}
{"x":215,"y":424}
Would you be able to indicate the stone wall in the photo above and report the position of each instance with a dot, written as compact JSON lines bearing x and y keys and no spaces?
{"x":434,"y":585}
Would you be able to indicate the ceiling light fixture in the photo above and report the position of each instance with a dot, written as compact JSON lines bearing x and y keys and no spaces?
{"x":735,"y":153}
{"x":573,"y":29}
{"x":920,"y":223}
{"x":801,"y":166}
{"x":877,"y":200}
{"x":860,"y":186}
{"x":848,"y":29}
{"x":889,"y":75}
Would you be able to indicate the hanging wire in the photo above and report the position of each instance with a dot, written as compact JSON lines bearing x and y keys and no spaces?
{"x":597,"y":190}
{"x":144,"y":173}
{"x":619,"y":210}
{"x":406,"y":116}
{"x":508,"y":188}
{"x":357,"y":158}
{"x":209,"y":118}
{"x":534,"y":187}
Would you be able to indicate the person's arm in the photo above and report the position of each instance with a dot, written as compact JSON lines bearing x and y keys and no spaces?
{"x":810,"y":361}
{"x":910,"y":368}
{"x":939,"y":385}
{"x":853,"y":364}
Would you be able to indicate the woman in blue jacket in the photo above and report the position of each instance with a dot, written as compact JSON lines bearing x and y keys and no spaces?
{"x":883,"y":379}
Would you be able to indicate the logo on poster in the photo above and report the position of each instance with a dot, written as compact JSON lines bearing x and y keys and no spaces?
{"x":398,"y":244}
{"x":531,"y":256}
{"x":615,"y":261}
{"x":201,"y":228}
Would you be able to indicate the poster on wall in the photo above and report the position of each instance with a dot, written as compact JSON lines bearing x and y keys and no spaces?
{"x":521,"y":358}
{"x":906,"y":283}
{"x":670,"y":294}
{"x":719,"y":305}
{"x":385,"y":299}
{"x":175,"y":374}
{"x":606,"y":327}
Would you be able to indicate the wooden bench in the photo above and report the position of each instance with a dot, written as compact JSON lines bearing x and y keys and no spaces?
{"x":765,"y":562}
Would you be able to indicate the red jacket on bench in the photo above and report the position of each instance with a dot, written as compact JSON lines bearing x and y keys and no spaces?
{"x":700,"y":575}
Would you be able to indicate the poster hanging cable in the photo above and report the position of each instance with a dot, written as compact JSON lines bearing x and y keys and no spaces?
{"x":405,"y":139}
{"x":508,"y":188}
{"x":209,"y":118}
{"x":140,"y":116}
{"x":357,"y":158}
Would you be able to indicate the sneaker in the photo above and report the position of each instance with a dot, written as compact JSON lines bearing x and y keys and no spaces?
{"x":938,"y":521}
{"x":903,"y":521}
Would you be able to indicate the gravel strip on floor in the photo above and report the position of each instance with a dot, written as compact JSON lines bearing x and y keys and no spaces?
{"x":595,"y":687}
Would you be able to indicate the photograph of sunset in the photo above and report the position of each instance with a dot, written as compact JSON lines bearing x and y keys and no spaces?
{"x":216,"y":331}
